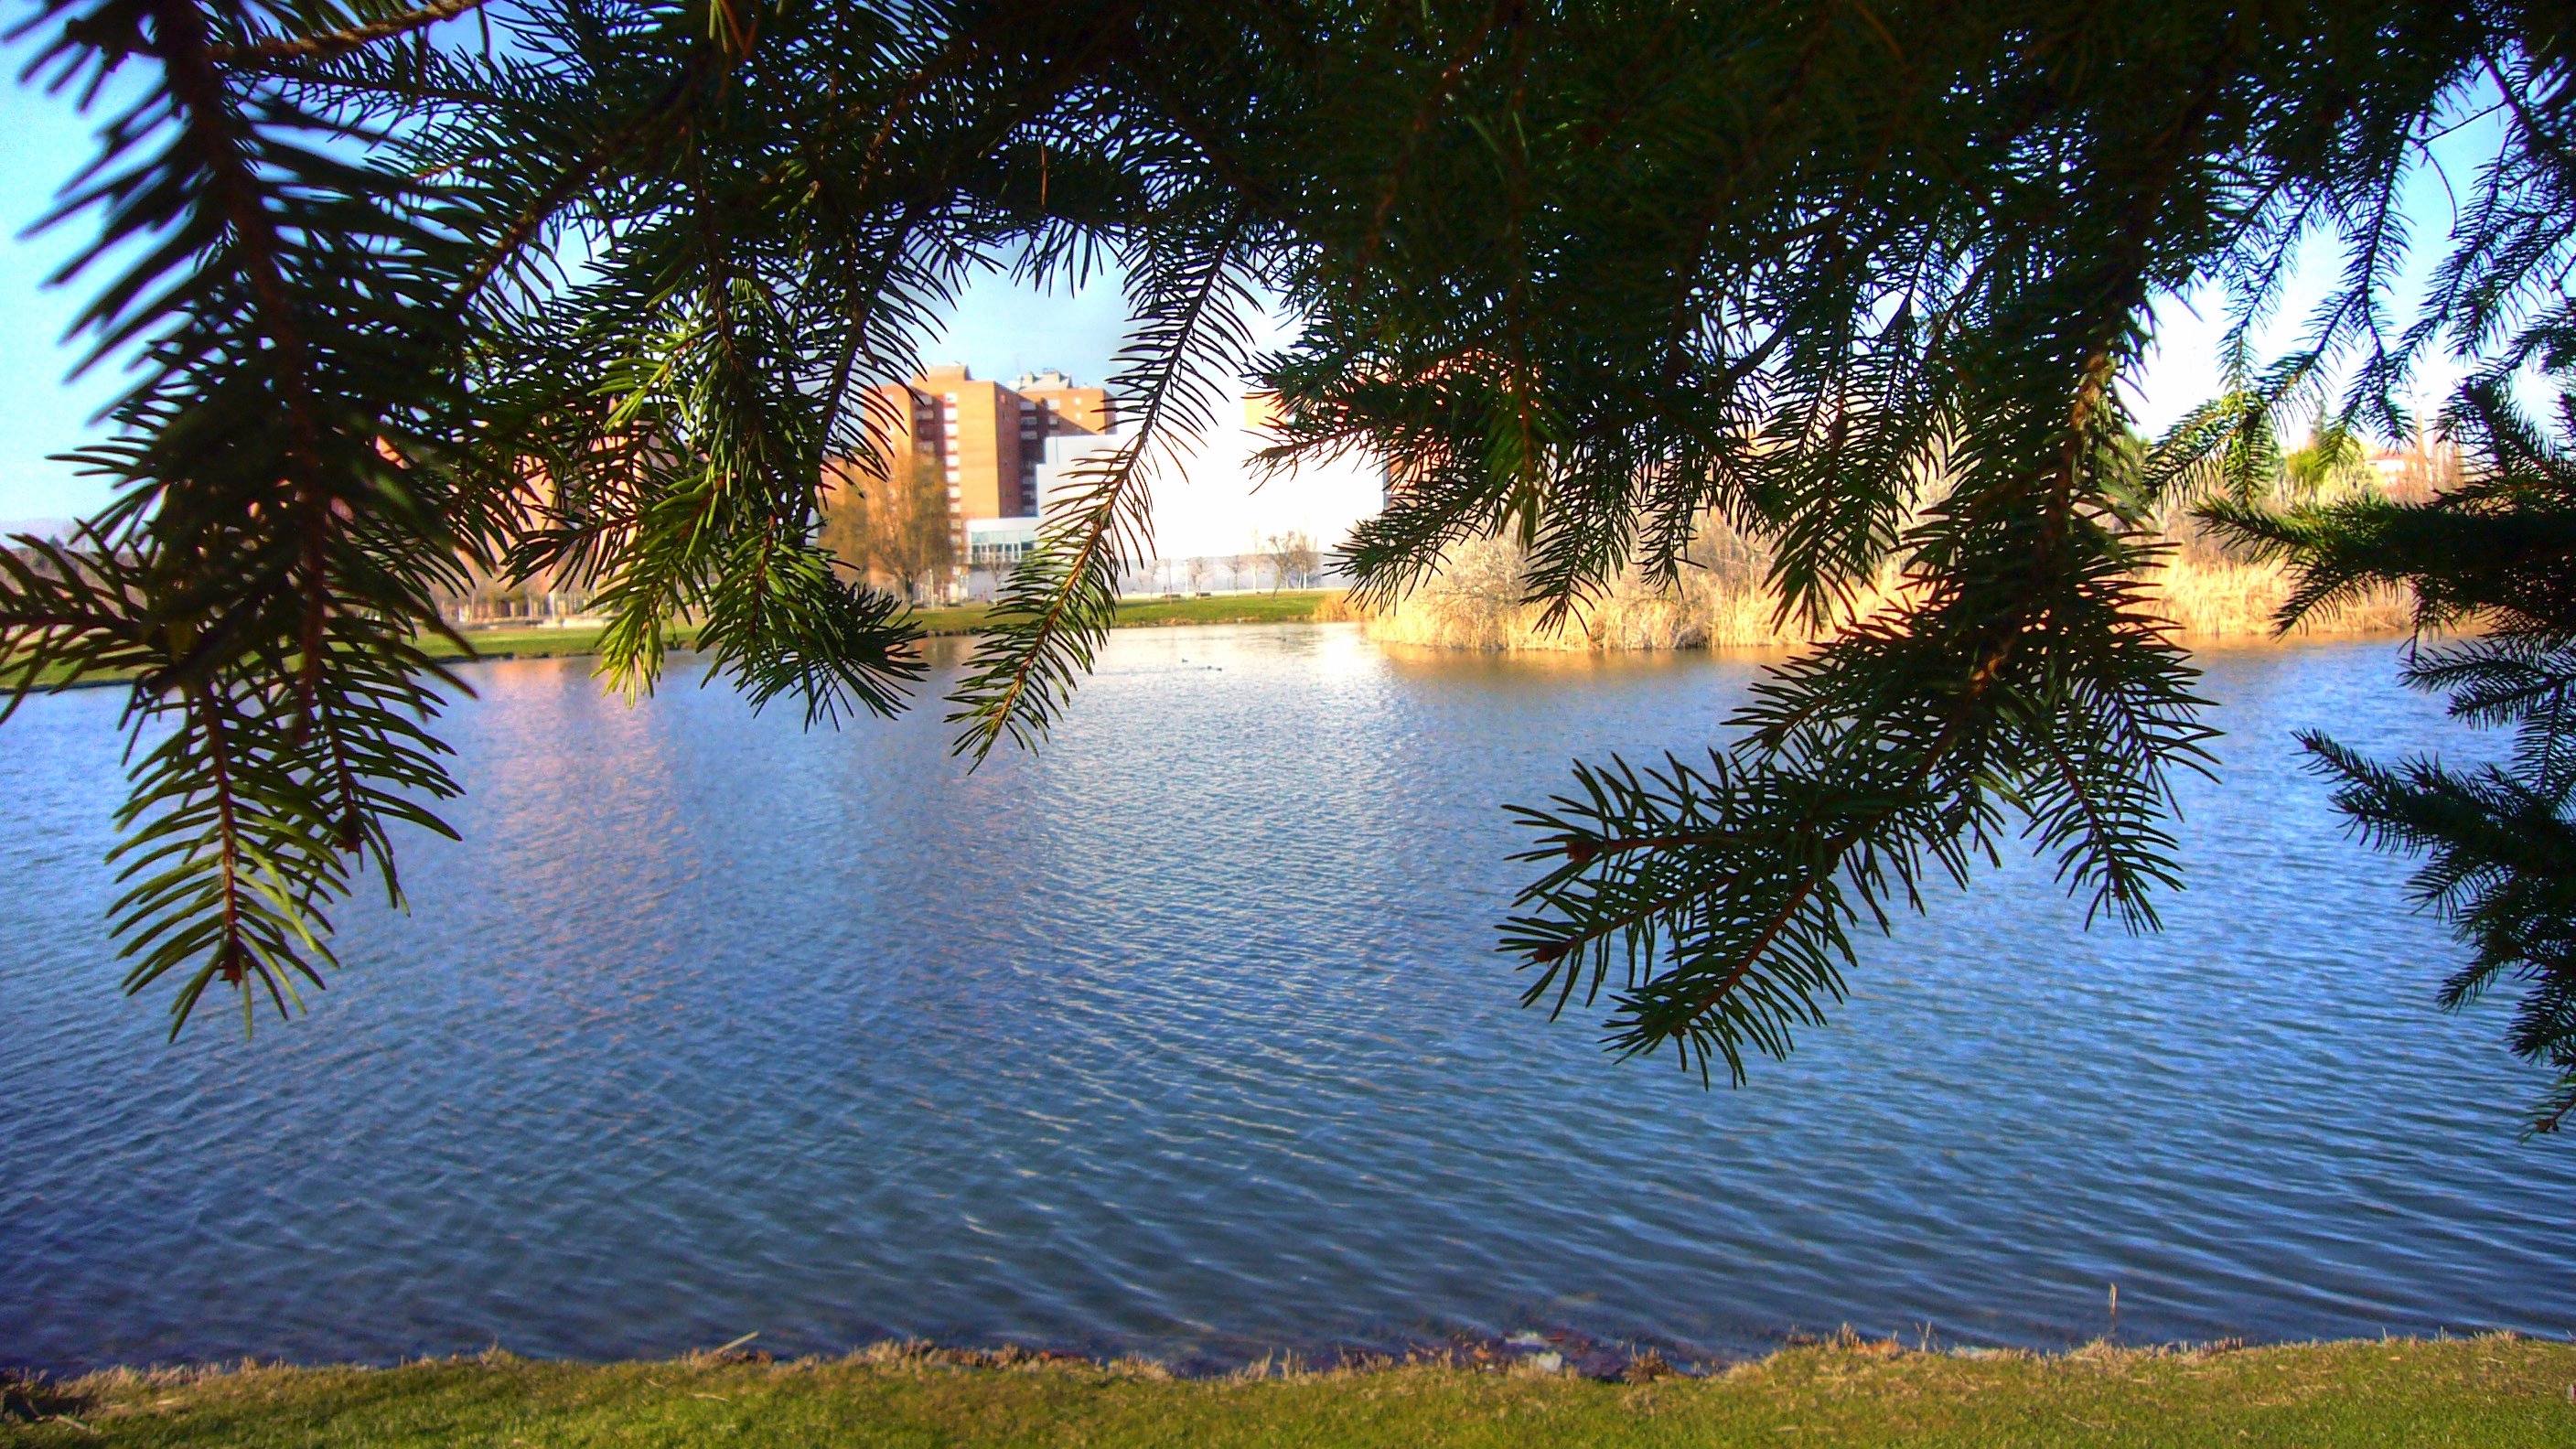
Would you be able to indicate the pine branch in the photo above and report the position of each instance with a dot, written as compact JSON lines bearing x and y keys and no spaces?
{"x":1052,"y":615}
{"x":328,"y":45}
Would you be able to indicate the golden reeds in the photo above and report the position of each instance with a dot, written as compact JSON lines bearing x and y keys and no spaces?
{"x":1474,"y":604}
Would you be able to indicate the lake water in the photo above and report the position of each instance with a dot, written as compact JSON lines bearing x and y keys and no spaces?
{"x":1186,"y":1037}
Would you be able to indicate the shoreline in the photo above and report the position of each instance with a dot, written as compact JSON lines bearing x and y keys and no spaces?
{"x":546,"y":641}
{"x":580,"y":641}
{"x":2493,"y":1389}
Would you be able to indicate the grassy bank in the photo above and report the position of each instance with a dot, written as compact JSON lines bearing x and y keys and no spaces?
{"x":2464,"y":1392}
{"x":1297,"y":606}
{"x":1287,"y":607}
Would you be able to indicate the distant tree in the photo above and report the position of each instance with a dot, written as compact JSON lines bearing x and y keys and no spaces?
{"x":1292,"y":558}
{"x":1197,"y":568}
{"x":898,"y":528}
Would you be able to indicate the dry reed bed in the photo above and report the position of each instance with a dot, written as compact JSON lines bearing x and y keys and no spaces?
{"x":1474,"y":604}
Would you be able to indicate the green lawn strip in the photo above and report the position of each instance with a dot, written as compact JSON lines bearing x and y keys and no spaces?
{"x":1294,"y":607}
{"x":2462,"y":1392}
{"x":1301,"y":606}
{"x":488,"y":644}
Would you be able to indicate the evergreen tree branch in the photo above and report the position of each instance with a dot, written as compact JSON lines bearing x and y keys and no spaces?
{"x":1055,"y":610}
{"x":327,"y":45}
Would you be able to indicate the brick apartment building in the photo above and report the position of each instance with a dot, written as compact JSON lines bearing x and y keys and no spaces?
{"x":988,"y":439}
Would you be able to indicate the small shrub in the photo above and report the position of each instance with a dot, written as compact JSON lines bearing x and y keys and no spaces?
{"x":1645,"y":1368}
{"x":32,"y":1398}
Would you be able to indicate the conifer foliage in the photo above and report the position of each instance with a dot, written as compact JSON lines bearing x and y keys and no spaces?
{"x":598,"y":288}
{"x":2491,"y":560}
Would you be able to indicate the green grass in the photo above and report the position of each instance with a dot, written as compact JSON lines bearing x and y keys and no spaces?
{"x":1298,"y":606}
{"x":1292,"y":607}
{"x":2461,"y":1392}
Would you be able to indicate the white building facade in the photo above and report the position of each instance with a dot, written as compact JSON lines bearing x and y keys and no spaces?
{"x":1212,"y":501}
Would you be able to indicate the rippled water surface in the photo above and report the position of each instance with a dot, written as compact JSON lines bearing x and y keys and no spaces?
{"x":1186,"y":1037}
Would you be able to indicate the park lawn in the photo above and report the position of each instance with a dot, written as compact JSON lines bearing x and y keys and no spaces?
{"x":1296,"y":606}
{"x":488,"y":643}
{"x":2496,"y":1390}
{"x":1288,"y":607}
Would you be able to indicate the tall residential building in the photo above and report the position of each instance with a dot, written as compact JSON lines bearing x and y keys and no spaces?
{"x":1006,"y":453}
{"x":1052,"y":406}
{"x":987,"y":439}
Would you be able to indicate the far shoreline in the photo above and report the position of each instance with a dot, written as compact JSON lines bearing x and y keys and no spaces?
{"x":580,"y":639}
{"x":499,"y":642}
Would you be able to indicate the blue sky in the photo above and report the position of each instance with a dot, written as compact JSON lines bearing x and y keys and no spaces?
{"x":40,"y":412}
{"x":997,"y":329}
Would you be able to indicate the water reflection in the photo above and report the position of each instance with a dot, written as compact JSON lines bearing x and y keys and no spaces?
{"x":1185,"y":1036}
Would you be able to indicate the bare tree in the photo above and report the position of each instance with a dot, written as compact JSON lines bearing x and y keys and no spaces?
{"x":1292,"y":556}
{"x":1197,"y":568}
{"x":896,"y":528}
